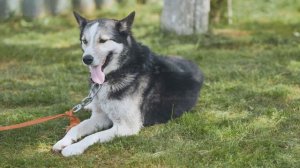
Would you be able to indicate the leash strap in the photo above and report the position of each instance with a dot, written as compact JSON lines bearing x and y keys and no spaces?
{"x":73,"y":121}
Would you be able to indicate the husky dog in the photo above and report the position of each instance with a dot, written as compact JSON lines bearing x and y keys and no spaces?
{"x":138,"y":88}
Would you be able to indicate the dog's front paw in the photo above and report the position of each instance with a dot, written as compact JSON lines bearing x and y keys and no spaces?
{"x":72,"y":150}
{"x":60,"y":145}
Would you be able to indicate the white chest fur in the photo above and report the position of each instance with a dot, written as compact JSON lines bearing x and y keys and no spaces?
{"x":125,"y":111}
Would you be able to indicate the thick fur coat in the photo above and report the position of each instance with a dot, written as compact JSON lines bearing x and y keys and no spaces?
{"x":138,"y":87}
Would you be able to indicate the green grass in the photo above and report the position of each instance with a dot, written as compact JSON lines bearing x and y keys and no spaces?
{"x":248,"y":114}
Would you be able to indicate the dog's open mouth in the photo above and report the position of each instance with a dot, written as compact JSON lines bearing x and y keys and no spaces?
{"x":107,"y":60}
{"x":97,"y":73}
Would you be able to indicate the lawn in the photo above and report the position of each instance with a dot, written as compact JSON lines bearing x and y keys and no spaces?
{"x":248,"y":114}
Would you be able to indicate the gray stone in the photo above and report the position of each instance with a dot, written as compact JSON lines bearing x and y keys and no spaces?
{"x":185,"y":17}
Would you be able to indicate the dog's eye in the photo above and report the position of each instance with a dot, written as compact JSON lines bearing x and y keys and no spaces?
{"x":84,"y":41}
{"x":102,"y":41}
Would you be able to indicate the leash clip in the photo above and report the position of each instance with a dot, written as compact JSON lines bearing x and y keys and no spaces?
{"x":77,"y":108}
{"x":87,"y":100}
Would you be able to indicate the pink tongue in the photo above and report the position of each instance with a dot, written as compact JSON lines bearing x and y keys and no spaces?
{"x":97,"y":74}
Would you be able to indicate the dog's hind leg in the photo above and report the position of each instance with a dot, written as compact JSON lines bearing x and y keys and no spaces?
{"x":98,"y":121}
{"x":103,"y":136}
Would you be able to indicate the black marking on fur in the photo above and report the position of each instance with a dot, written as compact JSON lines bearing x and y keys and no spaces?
{"x":128,"y":89}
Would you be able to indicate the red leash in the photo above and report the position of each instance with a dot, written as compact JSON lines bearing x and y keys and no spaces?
{"x":73,"y":121}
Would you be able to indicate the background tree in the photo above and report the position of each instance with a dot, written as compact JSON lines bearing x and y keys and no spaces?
{"x":221,"y":11}
{"x":57,"y":7}
{"x":34,"y":8}
{"x":9,"y":8}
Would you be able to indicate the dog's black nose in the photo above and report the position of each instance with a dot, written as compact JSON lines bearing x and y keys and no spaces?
{"x":88,"y":59}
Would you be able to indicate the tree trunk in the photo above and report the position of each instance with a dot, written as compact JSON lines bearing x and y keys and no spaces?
{"x":9,"y":8}
{"x":85,"y":6}
{"x":105,"y":3}
{"x":218,"y":11}
{"x":230,"y":13}
{"x":141,"y":1}
{"x":57,"y":7}
{"x":185,"y":17}
{"x":34,"y":8}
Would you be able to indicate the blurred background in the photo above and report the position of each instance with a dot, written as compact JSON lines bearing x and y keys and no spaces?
{"x":182,"y":17}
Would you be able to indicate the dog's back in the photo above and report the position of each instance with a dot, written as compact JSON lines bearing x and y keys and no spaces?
{"x":173,"y":88}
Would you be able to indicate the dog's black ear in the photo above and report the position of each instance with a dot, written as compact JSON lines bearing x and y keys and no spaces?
{"x":125,"y":24}
{"x":80,"y":20}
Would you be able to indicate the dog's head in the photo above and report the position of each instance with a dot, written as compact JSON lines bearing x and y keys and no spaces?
{"x":102,"y":42}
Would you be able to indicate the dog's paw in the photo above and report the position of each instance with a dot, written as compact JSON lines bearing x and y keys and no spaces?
{"x":60,"y":145}
{"x":72,"y":150}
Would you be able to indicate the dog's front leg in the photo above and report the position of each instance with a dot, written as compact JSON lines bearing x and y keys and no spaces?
{"x":103,"y":136}
{"x":96,"y":122}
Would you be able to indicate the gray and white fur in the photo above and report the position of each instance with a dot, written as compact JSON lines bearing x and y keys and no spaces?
{"x":140,"y":87}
